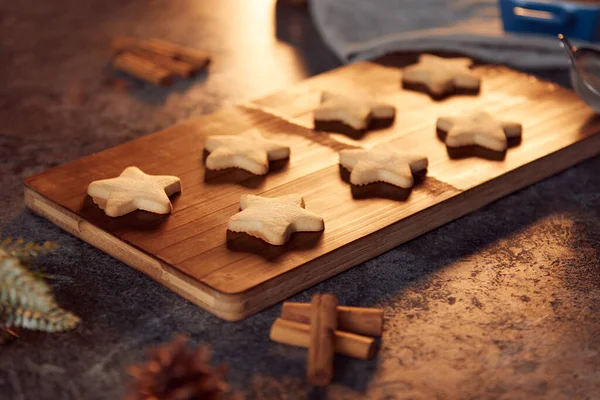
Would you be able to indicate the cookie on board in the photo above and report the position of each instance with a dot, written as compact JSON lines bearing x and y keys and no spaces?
{"x":382,"y":163}
{"x":478,"y":128}
{"x":440,"y":77}
{"x":274,"y":219}
{"x":383,"y":115}
{"x":352,"y":116}
{"x":134,"y":190}
{"x":249,"y":151}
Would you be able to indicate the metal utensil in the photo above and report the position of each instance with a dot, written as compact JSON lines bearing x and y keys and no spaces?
{"x":584,"y":72}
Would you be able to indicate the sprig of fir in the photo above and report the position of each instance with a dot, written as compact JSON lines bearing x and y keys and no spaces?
{"x":26,"y":301}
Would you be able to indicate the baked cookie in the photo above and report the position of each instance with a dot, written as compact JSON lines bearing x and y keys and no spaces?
{"x":274,"y":219}
{"x":134,"y":190}
{"x":478,"y":128}
{"x":382,"y":164}
{"x":441,"y":77}
{"x":249,"y":151}
{"x":382,"y":115}
{"x":351,"y":116}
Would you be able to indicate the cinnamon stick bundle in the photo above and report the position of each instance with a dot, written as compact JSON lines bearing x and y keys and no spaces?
{"x":323,"y":324}
{"x":360,"y":320}
{"x":177,"y":67}
{"x":181,"y":68}
{"x":142,"y":69}
{"x":192,"y":56}
{"x":195,"y":58}
{"x":298,"y":334}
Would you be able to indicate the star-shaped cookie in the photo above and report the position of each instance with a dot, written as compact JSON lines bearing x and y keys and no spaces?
{"x":382,"y":164}
{"x":440,"y":76}
{"x":249,"y":151}
{"x":134,"y":190}
{"x":478,"y":128}
{"x":274,"y":219}
{"x":337,"y":113}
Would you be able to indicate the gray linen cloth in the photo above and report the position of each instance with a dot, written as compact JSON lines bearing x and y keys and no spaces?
{"x":363,"y":29}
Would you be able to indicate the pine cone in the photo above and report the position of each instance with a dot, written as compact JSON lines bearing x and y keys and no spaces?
{"x":176,"y":372}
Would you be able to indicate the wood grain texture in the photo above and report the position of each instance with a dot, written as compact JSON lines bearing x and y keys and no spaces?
{"x":233,"y":275}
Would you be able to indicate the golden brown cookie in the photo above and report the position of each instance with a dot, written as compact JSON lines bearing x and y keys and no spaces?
{"x":134,"y":190}
{"x":441,"y":77}
{"x":478,"y":128}
{"x":274,"y":219}
{"x":382,"y":164}
{"x":249,"y":151}
{"x":352,"y":116}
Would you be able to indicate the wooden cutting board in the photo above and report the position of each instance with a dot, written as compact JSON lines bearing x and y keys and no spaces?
{"x":233,"y":275}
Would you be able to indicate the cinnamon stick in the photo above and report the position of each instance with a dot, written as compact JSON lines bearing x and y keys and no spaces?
{"x":323,"y":324}
{"x":192,"y":56}
{"x":181,"y":68}
{"x":196,"y":58}
{"x":360,"y":320}
{"x":142,"y":69}
{"x":297,"y":334}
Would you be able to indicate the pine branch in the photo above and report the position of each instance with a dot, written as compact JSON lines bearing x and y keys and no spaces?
{"x":26,"y":252}
{"x":20,"y":289}
{"x":27,"y":302}
{"x":55,"y":320}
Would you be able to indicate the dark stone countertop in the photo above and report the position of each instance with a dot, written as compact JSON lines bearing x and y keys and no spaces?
{"x":501,"y":304}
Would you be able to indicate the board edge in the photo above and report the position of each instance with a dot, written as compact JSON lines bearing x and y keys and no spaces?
{"x":484,"y":194}
{"x":234,"y":306}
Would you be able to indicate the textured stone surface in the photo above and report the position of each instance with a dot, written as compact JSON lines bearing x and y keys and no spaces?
{"x":501,"y":304}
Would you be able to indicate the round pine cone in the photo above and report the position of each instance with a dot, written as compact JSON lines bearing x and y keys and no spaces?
{"x":176,"y":372}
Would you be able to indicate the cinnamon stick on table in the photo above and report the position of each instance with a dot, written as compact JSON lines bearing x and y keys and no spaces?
{"x":177,"y":67}
{"x":142,"y":69}
{"x":121,"y":44}
{"x":323,"y":324}
{"x":364,"y":321}
{"x":297,"y":334}
{"x":196,"y":58}
{"x":192,"y":56}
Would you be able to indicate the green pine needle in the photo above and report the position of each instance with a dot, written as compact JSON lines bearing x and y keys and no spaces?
{"x":55,"y":320}
{"x":26,"y":252}
{"x":25,"y":300}
{"x":19,"y":288}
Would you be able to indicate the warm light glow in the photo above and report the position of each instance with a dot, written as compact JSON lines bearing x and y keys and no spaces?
{"x":258,"y":63}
